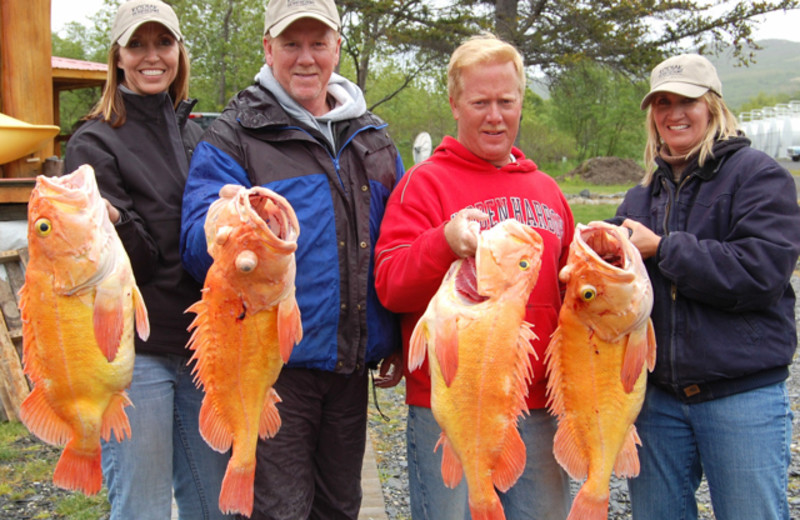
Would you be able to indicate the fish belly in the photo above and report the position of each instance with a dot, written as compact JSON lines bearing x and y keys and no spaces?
{"x":479,"y":409}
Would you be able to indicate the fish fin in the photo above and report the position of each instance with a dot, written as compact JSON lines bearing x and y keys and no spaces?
{"x":567,"y":452}
{"x":417,"y":345}
{"x":140,"y":315}
{"x":236,"y":494}
{"x":213,"y":429}
{"x":116,"y":419}
{"x":627,"y":463}
{"x":290,"y":326}
{"x":492,"y":512}
{"x":524,"y":368}
{"x":451,"y":465}
{"x":588,"y":506}
{"x":39,"y":417}
{"x":79,"y":470}
{"x":651,"y":346}
{"x":270,"y":421}
{"x":636,"y":351}
{"x":198,"y":340}
{"x":108,"y":321}
{"x":446,"y":349}
{"x":555,"y":397}
{"x":511,"y":463}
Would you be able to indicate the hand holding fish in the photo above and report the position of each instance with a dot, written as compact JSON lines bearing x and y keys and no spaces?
{"x":390,"y":371}
{"x":462,"y":231}
{"x":113,"y":213}
{"x":642,"y":237}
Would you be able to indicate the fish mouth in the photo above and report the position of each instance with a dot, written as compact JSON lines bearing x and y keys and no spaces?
{"x":607,"y":244}
{"x":274,"y":215}
{"x":466,"y":282}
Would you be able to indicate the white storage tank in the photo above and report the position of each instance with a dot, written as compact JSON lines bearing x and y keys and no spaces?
{"x":758,"y":133}
{"x":791,"y":129}
{"x":784,"y":140}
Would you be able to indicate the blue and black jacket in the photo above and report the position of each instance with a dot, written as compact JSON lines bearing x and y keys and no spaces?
{"x":339,"y":196}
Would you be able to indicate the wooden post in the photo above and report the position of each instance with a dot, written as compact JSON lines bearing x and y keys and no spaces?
{"x":26,"y":78}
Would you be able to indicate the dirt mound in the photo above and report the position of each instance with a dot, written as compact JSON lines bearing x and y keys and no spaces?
{"x":609,"y":170}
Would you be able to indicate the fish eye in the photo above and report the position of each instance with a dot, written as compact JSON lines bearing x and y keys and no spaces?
{"x":43,"y":227}
{"x":588,"y":293}
{"x":524,"y":264}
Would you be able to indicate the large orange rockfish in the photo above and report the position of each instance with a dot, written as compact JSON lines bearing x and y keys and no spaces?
{"x":479,"y":349}
{"x":246,"y":326}
{"x":78,"y":307}
{"x":597,"y":362}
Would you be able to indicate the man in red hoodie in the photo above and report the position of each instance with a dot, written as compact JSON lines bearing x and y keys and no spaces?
{"x":478,"y":176}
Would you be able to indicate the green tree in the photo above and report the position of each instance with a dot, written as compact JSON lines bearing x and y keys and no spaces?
{"x":599,"y":108}
{"x":630,"y":35}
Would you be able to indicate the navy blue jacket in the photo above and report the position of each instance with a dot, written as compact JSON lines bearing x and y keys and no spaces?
{"x":724,"y":305}
{"x":339,"y":197}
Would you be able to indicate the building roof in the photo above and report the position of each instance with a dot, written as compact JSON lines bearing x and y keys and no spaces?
{"x":69,"y":74}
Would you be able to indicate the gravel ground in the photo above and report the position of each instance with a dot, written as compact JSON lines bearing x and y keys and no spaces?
{"x":388,"y":435}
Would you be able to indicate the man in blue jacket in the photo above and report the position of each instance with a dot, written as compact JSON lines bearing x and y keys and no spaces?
{"x":304,"y":132}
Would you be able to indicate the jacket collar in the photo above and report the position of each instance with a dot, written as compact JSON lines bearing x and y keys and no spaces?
{"x":721,"y":151}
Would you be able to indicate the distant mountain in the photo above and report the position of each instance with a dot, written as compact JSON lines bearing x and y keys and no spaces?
{"x":776,"y":70}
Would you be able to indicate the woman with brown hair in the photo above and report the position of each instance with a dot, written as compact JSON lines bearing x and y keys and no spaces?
{"x":139,"y":142}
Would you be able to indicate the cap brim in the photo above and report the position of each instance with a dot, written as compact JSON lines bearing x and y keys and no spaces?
{"x":281,"y":26}
{"x":126,"y":35}
{"x":680,"y":88}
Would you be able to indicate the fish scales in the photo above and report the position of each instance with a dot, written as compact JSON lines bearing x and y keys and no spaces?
{"x":246,"y":324}
{"x":79,"y":306}
{"x":479,"y":349}
{"x":597,"y":363}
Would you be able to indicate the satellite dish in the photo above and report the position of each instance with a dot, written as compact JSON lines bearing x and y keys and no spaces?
{"x":422,"y":147}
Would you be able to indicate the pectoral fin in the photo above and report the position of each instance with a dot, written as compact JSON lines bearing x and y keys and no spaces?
{"x":108,"y":319}
{"x":446,"y":347}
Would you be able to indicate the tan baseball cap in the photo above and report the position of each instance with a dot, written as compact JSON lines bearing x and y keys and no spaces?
{"x":689,"y":75}
{"x":282,"y":13}
{"x":131,"y":15}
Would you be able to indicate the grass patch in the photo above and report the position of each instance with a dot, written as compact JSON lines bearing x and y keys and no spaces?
{"x":574,"y":185}
{"x":585,"y":213}
{"x":26,"y":475}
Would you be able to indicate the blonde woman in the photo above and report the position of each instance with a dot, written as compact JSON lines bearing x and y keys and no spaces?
{"x":719,"y":227}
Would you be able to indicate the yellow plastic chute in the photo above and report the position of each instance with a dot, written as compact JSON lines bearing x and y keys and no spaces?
{"x":18,"y":138}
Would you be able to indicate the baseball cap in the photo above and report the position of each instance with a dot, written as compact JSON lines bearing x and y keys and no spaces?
{"x":131,"y":15}
{"x":689,"y":75}
{"x":282,"y":13}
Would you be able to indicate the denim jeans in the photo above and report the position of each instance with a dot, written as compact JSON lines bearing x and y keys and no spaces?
{"x":165,"y":450}
{"x":541,"y":493}
{"x":741,"y":443}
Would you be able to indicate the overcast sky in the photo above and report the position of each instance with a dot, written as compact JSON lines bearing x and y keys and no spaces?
{"x":778,"y":25}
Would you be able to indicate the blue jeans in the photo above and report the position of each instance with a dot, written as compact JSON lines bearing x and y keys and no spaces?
{"x":541,"y":491}
{"x":741,"y":442}
{"x":165,"y":450}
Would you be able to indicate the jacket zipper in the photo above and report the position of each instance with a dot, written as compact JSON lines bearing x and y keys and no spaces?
{"x":672,"y":199}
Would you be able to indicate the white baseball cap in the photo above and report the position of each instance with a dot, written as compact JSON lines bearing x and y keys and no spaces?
{"x":689,"y":75}
{"x":282,"y":13}
{"x":133,"y":14}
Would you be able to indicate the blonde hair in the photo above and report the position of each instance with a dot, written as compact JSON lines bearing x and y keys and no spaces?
{"x":722,"y":126}
{"x":111,"y":107}
{"x":479,"y":50}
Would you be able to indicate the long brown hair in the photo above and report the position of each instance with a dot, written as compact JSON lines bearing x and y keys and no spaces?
{"x":111,"y":108}
{"x":722,"y":125}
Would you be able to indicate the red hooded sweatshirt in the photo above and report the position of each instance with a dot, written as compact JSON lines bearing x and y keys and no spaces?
{"x":412,"y":254}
